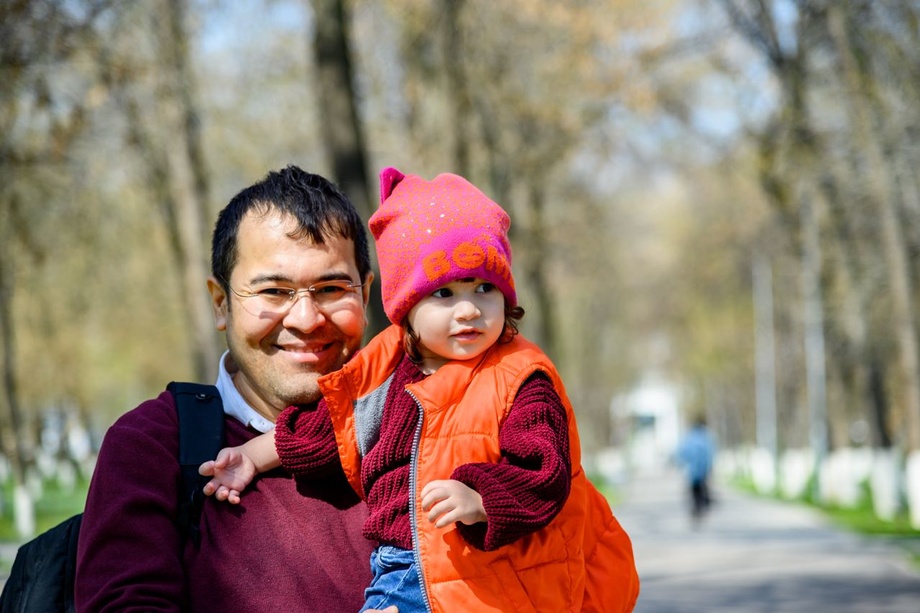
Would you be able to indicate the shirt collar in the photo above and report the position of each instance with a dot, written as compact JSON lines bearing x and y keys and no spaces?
{"x":234,"y":404}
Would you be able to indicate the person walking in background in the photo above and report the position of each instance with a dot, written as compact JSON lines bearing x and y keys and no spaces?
{"x":291,"y":274}
{"x":696,"y":452}
{"x":455,"y":429}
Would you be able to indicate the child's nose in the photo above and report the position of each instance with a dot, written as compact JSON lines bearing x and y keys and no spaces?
{"x":467,"y":309}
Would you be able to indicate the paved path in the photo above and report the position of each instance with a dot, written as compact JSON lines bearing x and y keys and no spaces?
{"x":756,"y":556}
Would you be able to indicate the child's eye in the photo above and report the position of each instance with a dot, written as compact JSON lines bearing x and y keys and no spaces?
{"x":485,"y":288}
{"x":442,"y":292}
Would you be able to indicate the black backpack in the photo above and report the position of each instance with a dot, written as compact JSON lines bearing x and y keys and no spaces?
{"x":42,"y":577}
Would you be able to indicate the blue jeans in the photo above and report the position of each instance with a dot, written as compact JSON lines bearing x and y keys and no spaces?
{"x":396,"y":581}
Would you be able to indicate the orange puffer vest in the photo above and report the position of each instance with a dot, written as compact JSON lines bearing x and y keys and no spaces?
{"x":581,"y":561}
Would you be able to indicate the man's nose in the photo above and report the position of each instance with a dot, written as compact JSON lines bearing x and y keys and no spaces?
{"x":304,"y":314}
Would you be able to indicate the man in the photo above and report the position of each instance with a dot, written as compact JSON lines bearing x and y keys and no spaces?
{"x":291,"y":276}
{"x":696,"y":452}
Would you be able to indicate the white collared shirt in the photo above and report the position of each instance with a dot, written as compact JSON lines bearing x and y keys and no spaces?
{"x":234,"y":404}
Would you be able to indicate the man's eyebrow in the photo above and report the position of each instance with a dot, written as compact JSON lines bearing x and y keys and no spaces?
{"x":270,"y":278}
{"x":282,"y":278}
{"x":335,"y":276}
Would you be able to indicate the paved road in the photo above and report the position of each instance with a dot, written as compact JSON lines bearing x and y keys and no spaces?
{"x":756,"y":556}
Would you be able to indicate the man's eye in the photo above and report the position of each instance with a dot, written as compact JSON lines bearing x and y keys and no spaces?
{"x":274,"y":292}
{"x":442,"y":292}
{"x":484,"y":288}
{"x":330,"y":290}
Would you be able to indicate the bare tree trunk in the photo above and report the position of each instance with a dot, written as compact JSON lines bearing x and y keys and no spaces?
{"x":341,"y":126}
{"x":458,"y":96}
{"x":187,"y":190}
{"x":11,"y":443}
{"x":878,"y":406}
{"x":765,"y":356}
{"x":816,"y":374}
{"x":859,"y":364}
{"x":893,"y":242}
{"x":534,"y":265}
{"x":498,"y":163}
{"x":189,"y":108}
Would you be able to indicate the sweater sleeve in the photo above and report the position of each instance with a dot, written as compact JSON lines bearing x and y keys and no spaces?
{"x":528,"y":487}
{"x":305,"y":441}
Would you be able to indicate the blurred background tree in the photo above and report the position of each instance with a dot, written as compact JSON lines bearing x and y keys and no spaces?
{"x":652,"y":155}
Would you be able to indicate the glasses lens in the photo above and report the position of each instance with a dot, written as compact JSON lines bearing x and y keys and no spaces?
{"x":331,"y":293}
{"x":278,"y":300}
{"x":271,"y":299}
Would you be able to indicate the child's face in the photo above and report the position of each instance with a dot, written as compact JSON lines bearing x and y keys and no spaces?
{"x":458,"y":321}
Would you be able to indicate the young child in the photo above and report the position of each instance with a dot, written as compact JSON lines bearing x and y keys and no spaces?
{"x":455,"y":430}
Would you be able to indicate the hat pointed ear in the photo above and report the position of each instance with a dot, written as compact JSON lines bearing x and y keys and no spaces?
{"x":389,"y":179}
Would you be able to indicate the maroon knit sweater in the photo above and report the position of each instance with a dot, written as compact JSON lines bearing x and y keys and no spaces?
{"x":290,"y":545}
{"x":521,"y":493}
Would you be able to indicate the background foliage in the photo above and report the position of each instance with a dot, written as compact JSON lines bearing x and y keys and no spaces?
{"x":650,"y":153}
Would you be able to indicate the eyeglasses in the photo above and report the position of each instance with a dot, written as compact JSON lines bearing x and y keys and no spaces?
{"x":326,"y":296}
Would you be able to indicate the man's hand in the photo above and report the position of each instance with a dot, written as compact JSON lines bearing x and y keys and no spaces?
{"x":448,"y":501}
{"x":390,"y":609}
{"x":232,"y":471}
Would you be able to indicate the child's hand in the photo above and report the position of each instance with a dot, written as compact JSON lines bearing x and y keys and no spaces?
{"x":448,"y":501}
{"x":232,"y":471}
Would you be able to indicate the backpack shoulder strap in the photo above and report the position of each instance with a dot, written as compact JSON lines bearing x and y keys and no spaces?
{"x":201,"y":436}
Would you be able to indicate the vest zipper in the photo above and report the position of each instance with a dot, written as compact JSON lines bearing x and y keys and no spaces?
{"x":413,"y":494}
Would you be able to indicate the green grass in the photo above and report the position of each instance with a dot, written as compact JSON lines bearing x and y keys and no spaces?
{"x":863,"y":520}
{"x":55,"y":505}
{"x":860,"y":519}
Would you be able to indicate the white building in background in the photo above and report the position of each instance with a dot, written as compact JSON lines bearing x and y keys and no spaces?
{"x":652,"y":413}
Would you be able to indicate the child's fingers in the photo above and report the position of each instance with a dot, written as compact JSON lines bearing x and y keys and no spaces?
{"x":223,"y":458}
{"x":208,"y":468}
{"x":448,"y":519}
{"x":211,"y":488}
{"x":230,"y":495}
{"x":432,"y":486}
{"x":439,"y":509}
{"x":431,"y":498}
{"x":444,"y":514}
{"x":433,"y":493}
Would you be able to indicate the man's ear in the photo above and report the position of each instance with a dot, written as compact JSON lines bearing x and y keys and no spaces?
{"x":366,"y":290}
{"x":219,"y":303}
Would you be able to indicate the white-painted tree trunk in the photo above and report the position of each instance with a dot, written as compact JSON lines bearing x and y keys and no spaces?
{"x":912,"y":485}
{"x":763,"y":471}
{"x":796,"y":467}
{"x":884,"y":484}
{"x":24,"y":511}
{"x":843,"y":475}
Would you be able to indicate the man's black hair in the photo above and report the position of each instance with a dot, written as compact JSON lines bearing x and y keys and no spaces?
{"x":318,"y":205}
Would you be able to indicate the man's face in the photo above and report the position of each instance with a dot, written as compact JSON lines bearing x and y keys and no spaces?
{"x":280,"y":356}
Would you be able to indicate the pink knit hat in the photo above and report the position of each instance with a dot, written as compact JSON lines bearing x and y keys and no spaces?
{"x":430,"y":233}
